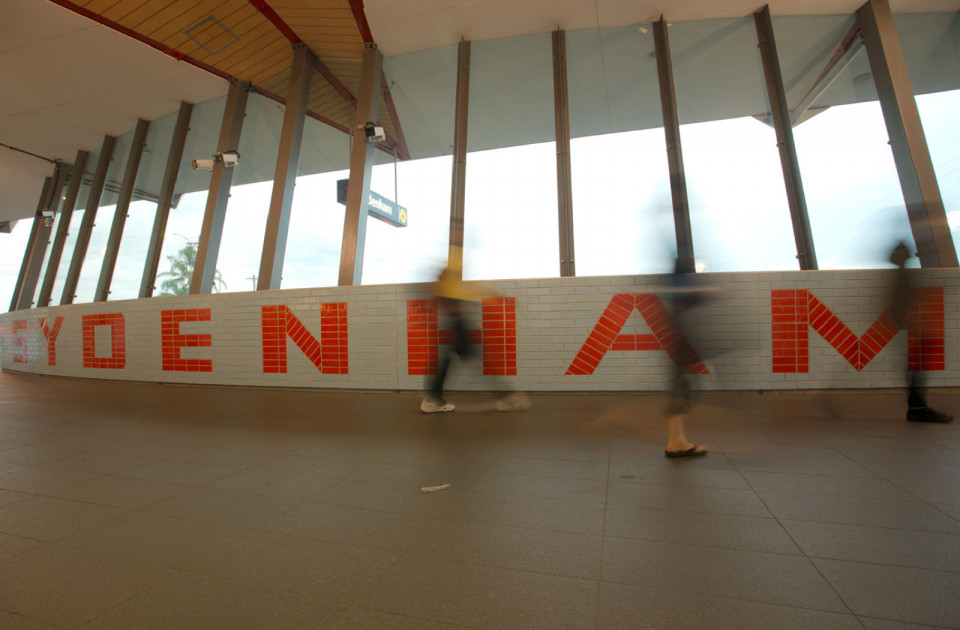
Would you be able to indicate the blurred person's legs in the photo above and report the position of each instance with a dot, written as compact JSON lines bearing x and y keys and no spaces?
{"x":677,"y":443}
{"x":917,"y":408}
{"x":433,"y":402}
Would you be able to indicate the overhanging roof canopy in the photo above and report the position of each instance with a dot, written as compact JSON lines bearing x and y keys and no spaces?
{"x":75,"y":70}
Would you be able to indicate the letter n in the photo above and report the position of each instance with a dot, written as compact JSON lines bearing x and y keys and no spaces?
{"x":51,"y":334}
{"x":606,"y":336}
{"x":329,"y":354}
{"x":795,"y":312}
{"x":118,"y":341}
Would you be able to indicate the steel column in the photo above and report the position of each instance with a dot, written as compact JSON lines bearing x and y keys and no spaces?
{"x":89,"y":215}
{"x":780,"y":111}
{"x":671,"y":128}
{"x":285,"y":177}
{"x":167,"y":189}
{"x":564,"y":177}
{"x":918,"y":181}
{"x":208,"y":249}
{"x":120,"y":214}
{"x":459,"y":176}
{"x":361,"y":167}
{"x":22,"y":291}
{"x":63,"y":227}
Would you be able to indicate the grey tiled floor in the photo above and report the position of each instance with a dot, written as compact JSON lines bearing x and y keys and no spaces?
{"x":138,"y":506}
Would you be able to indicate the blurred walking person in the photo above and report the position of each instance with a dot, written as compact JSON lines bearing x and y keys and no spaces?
{"x":685,"y":294}
{"x":902,"y":299}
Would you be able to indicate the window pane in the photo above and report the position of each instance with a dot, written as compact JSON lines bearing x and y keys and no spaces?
{"x":70,"y":244}
{"x":739,"y":214}
{"x":423,"y":87}
{"x":12,"y":247}
{"x":179,"y":250}
{"x":850,"y":181}
{"x":622,"y":210}
{"x":238,"y":262}
{"x":510,"y":223}
{"x":103,"y":221}
{"x":132,"y":255}
{"x":929,"y":43}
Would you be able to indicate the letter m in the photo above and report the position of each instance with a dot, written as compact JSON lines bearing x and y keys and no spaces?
{"x":329,"y":354}
{"x":795,"y":312}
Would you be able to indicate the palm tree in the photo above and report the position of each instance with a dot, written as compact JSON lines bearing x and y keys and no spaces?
{"x":181,"y":273}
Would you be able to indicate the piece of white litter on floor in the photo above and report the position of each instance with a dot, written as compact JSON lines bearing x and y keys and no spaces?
{"x":435,"y":488}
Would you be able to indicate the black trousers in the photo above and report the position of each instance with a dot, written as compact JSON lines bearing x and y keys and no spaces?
{"x":461,"y":347}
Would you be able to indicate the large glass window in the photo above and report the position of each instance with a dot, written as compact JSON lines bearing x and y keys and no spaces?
{"x":510,"y":218}
{"x":185,"y":220}
{"x":929,"y":44}
{"x":12,"y":247}
{"x":103,"y":221}
{"x":622,"y":209}
{"x":132,"y":254}
{"x":850,"y":181}
{"x":739,"y":215}
{"x":73,"y":230}
{"x":241,"y":246}
{"x":423,"y":87}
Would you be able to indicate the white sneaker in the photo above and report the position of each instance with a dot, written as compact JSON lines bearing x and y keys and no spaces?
{"x":517,"y":401}
{"x":432,"y":404}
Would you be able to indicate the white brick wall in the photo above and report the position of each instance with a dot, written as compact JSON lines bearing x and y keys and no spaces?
{"x":554,"y":319}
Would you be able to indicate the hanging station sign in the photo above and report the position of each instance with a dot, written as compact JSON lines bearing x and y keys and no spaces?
{"x":378,"y":206}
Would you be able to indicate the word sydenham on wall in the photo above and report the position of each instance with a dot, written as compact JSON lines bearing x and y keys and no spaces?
{"x":585,"y":338}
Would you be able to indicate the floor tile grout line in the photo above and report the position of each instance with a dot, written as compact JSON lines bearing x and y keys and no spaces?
{"x":603,"y":536}
{"x":729,"y":598}
{"x":804,"y":555}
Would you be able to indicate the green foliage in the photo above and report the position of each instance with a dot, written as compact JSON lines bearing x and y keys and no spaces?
{"x":180,"y":273}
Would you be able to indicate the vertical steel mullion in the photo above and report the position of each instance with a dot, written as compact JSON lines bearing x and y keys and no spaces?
{"x":167,"y":188}
{"x":208,"y":249}
{"x":63,"y":227}
{"x":120,"y":214}
{"x":89,"y":215}
{"x":671,"y":128}
{"x":285,"y":177}
{"x":802,"y":235}
{"x":361,"y":168}
{"x":564,"y":177}
{"x":918,"y":181}
{"x":20,"y":289}
{"x":459,"y":174}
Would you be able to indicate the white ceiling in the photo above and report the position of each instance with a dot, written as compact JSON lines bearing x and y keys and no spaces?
{"x":68,"y":81}
{"x":414,"y":25}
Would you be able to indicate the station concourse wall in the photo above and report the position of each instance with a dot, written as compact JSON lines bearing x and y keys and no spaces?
{"x":757,"y":331}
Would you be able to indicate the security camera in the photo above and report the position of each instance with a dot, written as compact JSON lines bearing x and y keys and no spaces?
{"x":374,"y":132}
{"x":207,"y":164}
{"x":227,"y":158}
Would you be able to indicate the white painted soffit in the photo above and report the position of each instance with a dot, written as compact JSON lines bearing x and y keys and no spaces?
{"x":405,"y":27}
{"x":67,"y":82}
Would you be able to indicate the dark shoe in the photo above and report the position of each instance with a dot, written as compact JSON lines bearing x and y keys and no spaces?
{"x":926,"y":414}
{"x":693,"y":451}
